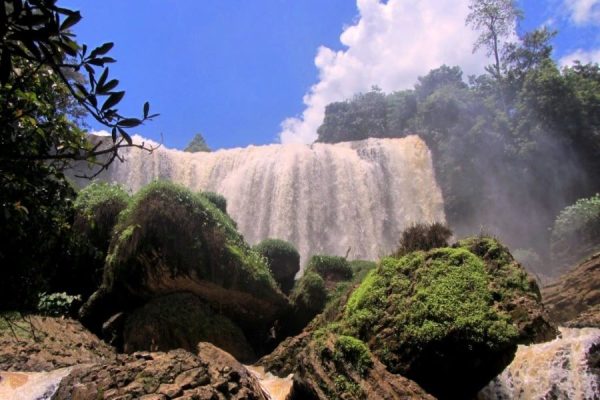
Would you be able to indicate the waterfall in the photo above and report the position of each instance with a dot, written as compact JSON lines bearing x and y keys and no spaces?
{"x":323,"y":198}
{"x":560,"y":369}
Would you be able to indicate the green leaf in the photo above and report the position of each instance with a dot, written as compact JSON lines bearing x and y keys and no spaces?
{"x":114,"y":134}
{"x":146,"y":109}
{"x":101,"y":50}
{"x":125,"y":136}
{"x":110,"y":85}
{"x":71,"y":20}
{"x":102,"y":80}
{"x":112,"y":100}
{"x":129,"y":122}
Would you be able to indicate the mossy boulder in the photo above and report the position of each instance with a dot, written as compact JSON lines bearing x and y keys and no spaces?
{"x":181,"y":320}
{"x":332,"y":269}
{"x":171,"y":240}
{"x":97,"y":207}
{"x":332,"y":366}
{"x":283,"y":259}
{"x":448,"y":318}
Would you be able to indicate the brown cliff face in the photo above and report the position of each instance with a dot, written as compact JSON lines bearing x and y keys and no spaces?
{"x":574,"y":299}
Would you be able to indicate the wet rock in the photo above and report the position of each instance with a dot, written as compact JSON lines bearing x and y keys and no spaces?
{"x":177,"y":374}
{"x":574,"y":299}
{"x":181,"y":321}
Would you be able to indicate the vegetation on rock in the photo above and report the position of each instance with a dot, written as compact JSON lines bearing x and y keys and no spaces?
{"x":576,"y":232}
{"x":97,"y":207}
{"x":446,"y":313}
{"x":283,"y":259}
{"x":169,"y":239}
{"x":330,"y":268}
{"x":218,"y":200}
{"x":423,"y":237}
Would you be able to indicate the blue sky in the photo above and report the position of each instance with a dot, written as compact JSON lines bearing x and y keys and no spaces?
{"x":255,"y":72}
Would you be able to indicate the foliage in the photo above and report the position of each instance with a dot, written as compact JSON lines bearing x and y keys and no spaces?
{"x":283,"y":259}
{"x":217,"y":199}
{"x":360,"y":269}
{"x":168,"y":226}
{"x":308,"y":298}
{"x":423,"y":237}
{"x":197,"y":144}
{"x":495,"y":19}
{"x":43,"y":98}
{"x":97,"y":207}
{"x":354,"y":351}
{"x":510,"y":149}
{"x":576,"y":231}
{"x":335,"y":267}
{"x":57,"y":304}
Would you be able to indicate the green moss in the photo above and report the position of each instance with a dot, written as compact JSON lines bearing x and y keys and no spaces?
{"x":330,"y":266}
{"x":352,"y":350}
{"x":218,"y":200}
{"x":168,"y":226}
{"x":425,"y":297}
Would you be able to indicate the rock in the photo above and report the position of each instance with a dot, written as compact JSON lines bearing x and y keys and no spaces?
{"x":323,"y":369}
{"x":451,"y":318}
{"x":61,"y":342}
{"x":574,"y":299}
{"x":177,"y":374}
{"x":170,"y":240}
{"x":181,"y":321}
{"x":112,"y":330}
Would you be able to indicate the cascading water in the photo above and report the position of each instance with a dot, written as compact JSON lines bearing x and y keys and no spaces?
{"x":559,"y":370}
{"x":323,"y":198}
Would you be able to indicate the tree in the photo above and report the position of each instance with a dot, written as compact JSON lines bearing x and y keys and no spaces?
{"x":36,"y":38}
{"x":197,"y":144}
{"x":43,"y":97}
{"x":496,"y":20}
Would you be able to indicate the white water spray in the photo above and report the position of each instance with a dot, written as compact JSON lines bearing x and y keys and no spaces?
{"x":323,"y":198}
{"x":31,"y":385}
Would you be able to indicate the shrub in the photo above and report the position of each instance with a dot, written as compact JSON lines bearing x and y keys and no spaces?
{"x":283,"y":259}
{"x":58,"y":304}
{"x":423,"y":237}
{"x":330,"y":267}
{"x":576,"y":231}
{"x":308,"y":299}
{"x":218,"y":200}
{"x":96,"y":212}
{"x":360,"y":269}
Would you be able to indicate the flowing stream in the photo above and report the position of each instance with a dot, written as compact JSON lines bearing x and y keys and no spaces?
{"x":559,"y":369}
{"x":354,"y":197}
{"x":274,"y":387}
{"x":31,"y":385}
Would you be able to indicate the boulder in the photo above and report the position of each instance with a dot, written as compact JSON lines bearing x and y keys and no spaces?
{"x":449,"y":318}
{"x":182,"y":320}
{"x":177,"y":374}
{"x":171,"y":240}
{"x":330,"y":366}
{"x":574,"y":299}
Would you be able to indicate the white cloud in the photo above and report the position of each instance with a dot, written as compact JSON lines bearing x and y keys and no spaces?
{"x":584,"y":11}
{"x":584,"y":56}
{"x":392,"y":44}
{"x":101,"y":132}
